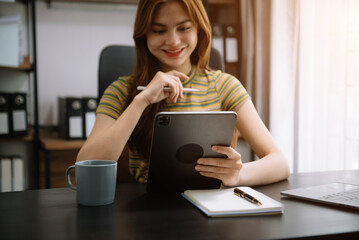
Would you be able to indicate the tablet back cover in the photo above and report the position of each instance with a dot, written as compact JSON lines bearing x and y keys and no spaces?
{"x":179,"y":139}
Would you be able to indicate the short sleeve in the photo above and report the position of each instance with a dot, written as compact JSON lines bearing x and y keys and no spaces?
{"x":115,"y":98}
{"x":231,"y":92}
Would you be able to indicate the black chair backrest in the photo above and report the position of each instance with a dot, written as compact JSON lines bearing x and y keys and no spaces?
{"x":115,"y":61}
{"x":118,"y":60}
{"x":216,"y":60}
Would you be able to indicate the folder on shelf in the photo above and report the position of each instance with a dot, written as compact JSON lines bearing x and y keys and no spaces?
{"x":17,"y":173}
{"x":217,"y":39}
{"x":11,"y":41}
{"x":231,"y":43}
{"x":70,"y":117}
{"x":89,"y":105}
{"x":5,"y":112}
{"x":5,"y":174}
{"x":19,"y":114}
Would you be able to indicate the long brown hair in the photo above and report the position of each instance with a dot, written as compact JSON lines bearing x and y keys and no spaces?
{"x":147,"y":65}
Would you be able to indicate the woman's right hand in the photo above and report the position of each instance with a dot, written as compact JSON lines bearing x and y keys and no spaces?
{"x":154,"y":91}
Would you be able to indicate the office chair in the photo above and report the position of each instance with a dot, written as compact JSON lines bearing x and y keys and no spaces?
{"x":119,"y":60}
{"x":115,"y":61}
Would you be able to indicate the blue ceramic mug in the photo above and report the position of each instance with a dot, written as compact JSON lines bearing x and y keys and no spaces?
{"x":95,"y":181}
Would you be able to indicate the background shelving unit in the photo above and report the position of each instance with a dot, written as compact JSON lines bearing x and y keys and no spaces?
{"x":24,"y":146}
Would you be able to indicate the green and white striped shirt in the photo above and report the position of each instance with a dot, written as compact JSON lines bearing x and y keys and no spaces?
{"x":219,"y":92}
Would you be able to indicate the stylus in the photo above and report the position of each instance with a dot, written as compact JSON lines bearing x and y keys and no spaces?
{"x":140,"y":88}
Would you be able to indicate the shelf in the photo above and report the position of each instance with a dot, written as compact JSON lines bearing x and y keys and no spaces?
{"x":27,"y":138}
{"x":24,"y":66}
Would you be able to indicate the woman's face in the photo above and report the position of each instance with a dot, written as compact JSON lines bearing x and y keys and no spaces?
{"x":172,"y":37}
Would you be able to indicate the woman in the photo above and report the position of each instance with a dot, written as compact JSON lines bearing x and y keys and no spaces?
{"x":173,"y":39}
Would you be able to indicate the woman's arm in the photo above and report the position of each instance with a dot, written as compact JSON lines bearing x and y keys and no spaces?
{"x":109,"y":136}
{"x":271,"y":167}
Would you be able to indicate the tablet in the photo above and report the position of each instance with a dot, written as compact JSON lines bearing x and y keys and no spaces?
{"x":178,"y":140}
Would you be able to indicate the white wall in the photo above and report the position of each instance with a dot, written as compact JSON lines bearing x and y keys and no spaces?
{"x":70,"y":38}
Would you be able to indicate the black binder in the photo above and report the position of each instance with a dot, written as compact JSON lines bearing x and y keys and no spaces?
{"x":19,"y":124}
{"x":5,"y":113}
{"x":70,"y":117}
{"x":89,"y":105}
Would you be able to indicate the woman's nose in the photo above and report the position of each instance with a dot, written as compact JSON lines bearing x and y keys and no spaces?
{"x":173,"y":39}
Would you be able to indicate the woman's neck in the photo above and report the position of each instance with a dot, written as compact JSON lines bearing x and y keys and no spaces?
{"x":185,"y":68}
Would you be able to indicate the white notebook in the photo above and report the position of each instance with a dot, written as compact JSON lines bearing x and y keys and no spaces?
{"x":224,"y":203}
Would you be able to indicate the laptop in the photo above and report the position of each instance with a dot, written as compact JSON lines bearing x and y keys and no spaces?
{"x":342,"y":193}
{"x":179,"y":139}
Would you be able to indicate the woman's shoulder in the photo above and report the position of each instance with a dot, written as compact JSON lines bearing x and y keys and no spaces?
{"x":122,"y":84}
{"x":124,"y":80}
{"x":218,"y":75}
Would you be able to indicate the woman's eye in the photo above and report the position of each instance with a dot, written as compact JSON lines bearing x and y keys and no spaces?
{"x":184,"y":29}
{"x":158,"y":31}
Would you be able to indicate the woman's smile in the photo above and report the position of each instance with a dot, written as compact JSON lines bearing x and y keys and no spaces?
{"x":172,"y":53}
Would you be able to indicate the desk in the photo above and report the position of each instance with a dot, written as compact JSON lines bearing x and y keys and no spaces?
{"x":54,"y":214}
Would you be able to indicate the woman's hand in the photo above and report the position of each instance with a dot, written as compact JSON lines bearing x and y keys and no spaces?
{"x":225,"y":169}
{"x":154,"y":91}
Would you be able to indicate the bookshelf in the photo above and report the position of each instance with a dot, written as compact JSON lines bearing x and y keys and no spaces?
{"x":23,"y":78}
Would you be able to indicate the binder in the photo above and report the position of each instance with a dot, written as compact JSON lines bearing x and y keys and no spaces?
{"x":70,"y":117}
{"x":19,"y":123}
{"x":231,"y":45}
{"x":89,"y":105}
{"x":17,"y":173}
{"x":11,"y":41}
{"x":217,"y":39}
{"x":5,"y":107}
{"x":5,"y":174}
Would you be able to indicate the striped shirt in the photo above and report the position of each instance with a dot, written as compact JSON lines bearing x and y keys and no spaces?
{"x":219,"y":92}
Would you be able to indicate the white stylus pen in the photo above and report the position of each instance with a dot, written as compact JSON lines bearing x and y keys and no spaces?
{"x":140,"y":88}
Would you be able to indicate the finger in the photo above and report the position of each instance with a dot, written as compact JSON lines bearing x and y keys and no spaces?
{"x":171,"y":83}
{"x":217,"y":162}
{"x":221,"y":162}
{"x":180,"y":86}
{"x":212,"y":169}
{"x":212,"y":175}
{"x":178,"y":74}
{"x":175,"y":91}
{"x":226,"y":150}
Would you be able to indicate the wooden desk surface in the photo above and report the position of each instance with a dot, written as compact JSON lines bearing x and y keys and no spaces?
{"x":54,"y":214}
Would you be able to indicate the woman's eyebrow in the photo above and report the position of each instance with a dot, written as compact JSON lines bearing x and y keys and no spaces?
{"x":164,"y":25}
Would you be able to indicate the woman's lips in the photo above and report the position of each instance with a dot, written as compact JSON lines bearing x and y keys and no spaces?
{"x":173,"y":52}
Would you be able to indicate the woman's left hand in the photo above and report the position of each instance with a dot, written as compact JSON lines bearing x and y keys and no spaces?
{"x":225,"y":169}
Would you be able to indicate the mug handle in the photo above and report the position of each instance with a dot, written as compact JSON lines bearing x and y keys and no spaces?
{"x":68,"y":180}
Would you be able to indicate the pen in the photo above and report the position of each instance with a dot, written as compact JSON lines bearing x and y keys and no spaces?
{"x":140,"y":88}
{"x":246,"y":196}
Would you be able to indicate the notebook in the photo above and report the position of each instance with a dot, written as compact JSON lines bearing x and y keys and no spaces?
{"x":344,"y":193}
{"x":224,"y":203}
{"x":179,"y":139}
